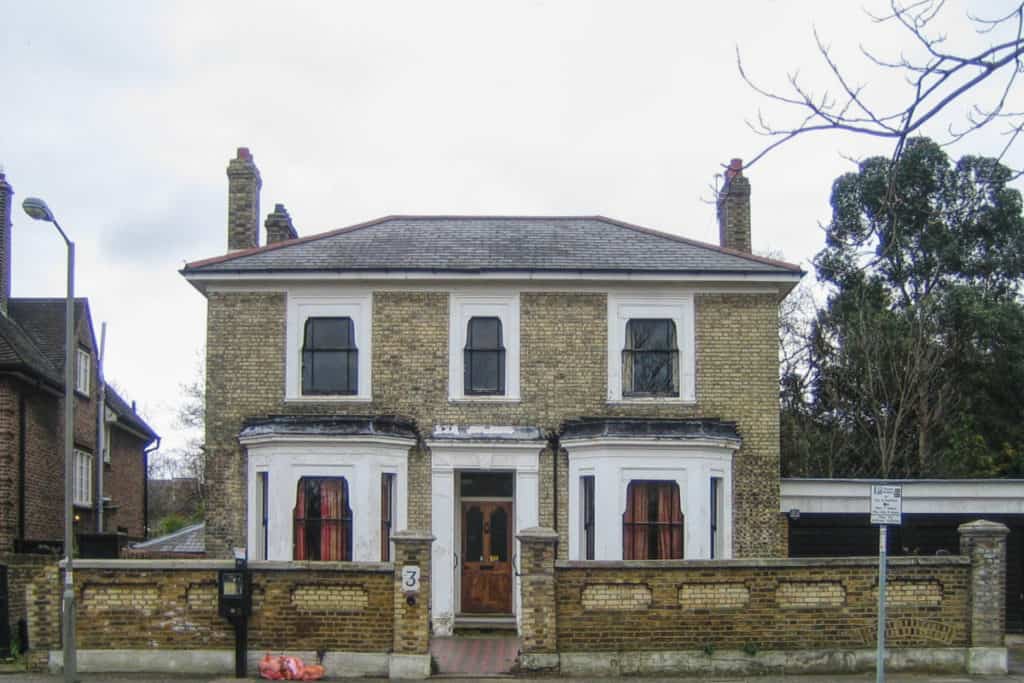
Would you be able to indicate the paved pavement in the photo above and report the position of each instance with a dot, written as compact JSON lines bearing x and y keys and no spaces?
{"x":894,"y":678}
{"x":1016,"y":675}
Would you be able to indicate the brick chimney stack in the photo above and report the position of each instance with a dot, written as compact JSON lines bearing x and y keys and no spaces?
{"x":244,"y":185}
{"x":6,"y":195}
{"x":279,"y":225}
{"x":734,"y":209}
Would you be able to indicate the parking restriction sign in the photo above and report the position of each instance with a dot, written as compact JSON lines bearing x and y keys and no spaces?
{"x":886,"y":504}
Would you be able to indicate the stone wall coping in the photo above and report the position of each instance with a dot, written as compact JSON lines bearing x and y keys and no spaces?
{"x":767,"y":563}
{"x":144,"y":565}
{"x":538,"y":533}
{"x":412,"y":536}
{"x":309,"y":565}
{"x":983,"y":527}
{"x":255,"y":565}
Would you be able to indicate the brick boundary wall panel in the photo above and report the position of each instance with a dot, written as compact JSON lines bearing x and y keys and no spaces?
{"x":771,"y":604}
{"x":172,"y":605}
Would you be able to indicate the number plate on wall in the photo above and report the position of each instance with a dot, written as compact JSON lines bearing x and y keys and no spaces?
{"x":410,"y":579}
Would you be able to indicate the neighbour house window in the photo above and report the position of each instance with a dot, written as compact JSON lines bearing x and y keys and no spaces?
{"x":323,"y":519}
{"x":588,"y":517}
{"x":387,"y":514}
{"x":330,"y":359}
{"x":652,"y":526}
{"x":82,"y":484}
{"x":484,"y":372}
{"x":82,"y":371}
{"x":650,"y":359}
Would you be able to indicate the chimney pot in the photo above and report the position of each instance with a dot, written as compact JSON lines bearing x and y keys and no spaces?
{"x":244,"y":185}
{"x":734,"y":209}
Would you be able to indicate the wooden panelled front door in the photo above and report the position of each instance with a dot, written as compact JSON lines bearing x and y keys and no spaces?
{"x":487,"y":557}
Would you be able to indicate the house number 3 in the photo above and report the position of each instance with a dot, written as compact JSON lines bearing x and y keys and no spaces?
{"x":410,"y":579}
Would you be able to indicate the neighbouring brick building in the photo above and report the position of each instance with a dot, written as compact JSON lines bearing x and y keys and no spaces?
{"x":477,"y":376}
{"x":31,"y":424}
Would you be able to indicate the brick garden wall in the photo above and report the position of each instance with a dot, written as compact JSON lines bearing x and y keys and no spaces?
{"x":173,"y":606}
{"x":563,"y":375}
{"x":773,"y":604}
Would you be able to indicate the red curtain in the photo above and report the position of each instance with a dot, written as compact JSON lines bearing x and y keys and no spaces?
{"x":333,"y":539}
{"x":640,"y":523}
{"x":331,"y":515}
{"x":670,"y":518}
{"x":299,"y":551}
{"x":635,"y":527}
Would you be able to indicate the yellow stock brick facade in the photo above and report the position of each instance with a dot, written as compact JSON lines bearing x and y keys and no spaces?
{"x":563,"y":374}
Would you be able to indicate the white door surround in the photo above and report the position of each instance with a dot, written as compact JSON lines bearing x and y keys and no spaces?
{"x":450,"y":455}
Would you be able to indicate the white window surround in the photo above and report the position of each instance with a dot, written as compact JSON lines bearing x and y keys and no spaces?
{"x":358,"y":307}
{"x":461,"y":308}
{"x":360,"y":460}
{"x":447,"y":458}
{"x":614,"y":463}
{"x":677,"y":307}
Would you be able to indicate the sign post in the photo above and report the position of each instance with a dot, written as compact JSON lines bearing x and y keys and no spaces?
{"x":886,"y":509}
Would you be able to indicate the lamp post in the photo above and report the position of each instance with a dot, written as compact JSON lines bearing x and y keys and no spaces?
{"x":37,"y":209}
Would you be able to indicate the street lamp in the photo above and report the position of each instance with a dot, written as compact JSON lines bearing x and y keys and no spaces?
{"x":37,"y":209}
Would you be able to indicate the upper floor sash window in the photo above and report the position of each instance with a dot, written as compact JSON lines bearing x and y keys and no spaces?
{"x":650,"y":359}
{"x":484,"y":372}
{"x":330,"y":359}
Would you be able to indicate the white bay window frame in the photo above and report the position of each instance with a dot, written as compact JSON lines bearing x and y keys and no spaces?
{"x":360,"y":460}
{"x":614,"y":463}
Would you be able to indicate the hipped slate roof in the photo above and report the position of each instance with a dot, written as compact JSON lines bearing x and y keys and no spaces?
{"x":475,"y":244}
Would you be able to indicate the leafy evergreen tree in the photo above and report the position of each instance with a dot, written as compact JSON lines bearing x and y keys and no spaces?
{"x":915,"y":361}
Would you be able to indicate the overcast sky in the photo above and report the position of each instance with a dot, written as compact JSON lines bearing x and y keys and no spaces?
{"x":123,"y":116}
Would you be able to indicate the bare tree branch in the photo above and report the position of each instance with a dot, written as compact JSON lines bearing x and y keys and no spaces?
{"x":941,"y":77}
